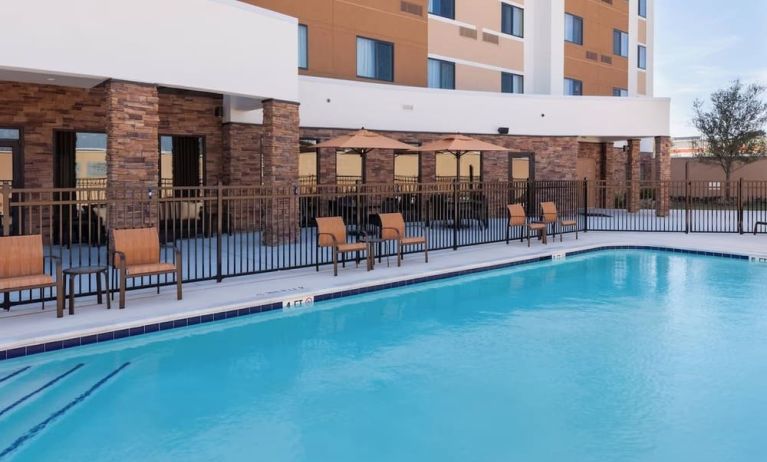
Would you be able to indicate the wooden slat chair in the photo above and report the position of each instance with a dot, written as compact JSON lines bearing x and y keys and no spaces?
{"x":393,"y":229}
{"x":518,"y":219}
{"x":331,"y":232}
{"x":137,"y":254}
{"x":22,"y":267}
{"x":551,"y":217}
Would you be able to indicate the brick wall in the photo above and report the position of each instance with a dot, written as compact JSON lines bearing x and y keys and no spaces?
{"x":186,"y":113}
{"x":555,"y":156}
{"x":39,"y":110}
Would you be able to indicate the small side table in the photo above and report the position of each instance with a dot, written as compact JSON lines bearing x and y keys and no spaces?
{"x":372,"y":242}
{"x":87,"y":271}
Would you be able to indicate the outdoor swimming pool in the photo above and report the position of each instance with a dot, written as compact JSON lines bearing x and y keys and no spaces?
{"x":611,"y":356}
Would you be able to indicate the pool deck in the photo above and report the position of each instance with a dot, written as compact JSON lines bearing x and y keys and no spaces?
{"x":29,"y":327}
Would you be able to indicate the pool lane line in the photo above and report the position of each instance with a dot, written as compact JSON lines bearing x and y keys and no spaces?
{"x":14,"y":374}
{"x":31,"y":394}
{"x":41,"y":426}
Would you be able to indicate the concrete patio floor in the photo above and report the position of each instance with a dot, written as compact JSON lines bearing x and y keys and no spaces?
{"x":28,"y":325}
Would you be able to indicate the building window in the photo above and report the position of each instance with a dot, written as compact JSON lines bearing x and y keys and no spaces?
{"x":642,"y":57}
{"x":512,"y":20}
{"x":375,"y":59}
{"x":643,"y":8}
{"x":444,"y":8}
{"x":573,"y":29}
{"x":573,"y":87}
{"x":620,"y":43}
{"x":441,"y":74}
{"x":620,"y":92}
{"x":9,"y":134}
{"x":303,"y":46}
{"x":512,"y":83}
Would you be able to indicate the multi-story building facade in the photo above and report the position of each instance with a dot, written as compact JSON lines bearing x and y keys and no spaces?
{"x":571,"y":47}
{"x":155,"y":101}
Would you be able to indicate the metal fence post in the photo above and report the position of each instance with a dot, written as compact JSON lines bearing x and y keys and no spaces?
{"x":585,"y":205}
{"x":456,"y":219}
{"x":6,"y":195}
{"x":219,"y":230}
{"x":740,"y":206}
{"x":687,"y":207}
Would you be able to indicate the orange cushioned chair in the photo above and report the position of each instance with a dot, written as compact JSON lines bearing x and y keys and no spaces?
{"x":22,"y":268}
{"x":137,"y":254}
{"x":331,"y":232}
{"x":518,"y":219}
{"x":550,"y":216}
{"x":393,"y":229}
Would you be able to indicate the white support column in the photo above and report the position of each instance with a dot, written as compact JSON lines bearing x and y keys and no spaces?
{"x":547,"y":47}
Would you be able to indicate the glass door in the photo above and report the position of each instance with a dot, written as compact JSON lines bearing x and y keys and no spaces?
{"x":11,"y":170}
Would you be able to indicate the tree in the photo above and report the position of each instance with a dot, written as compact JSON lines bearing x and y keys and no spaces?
{"x":733,"y":129}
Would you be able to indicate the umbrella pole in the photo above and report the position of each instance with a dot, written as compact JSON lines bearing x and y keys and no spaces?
{"x":456,"y":208}
{"x":363,"y":159}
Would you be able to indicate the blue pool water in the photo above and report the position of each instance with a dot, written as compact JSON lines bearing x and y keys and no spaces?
{"x":615,"y":356}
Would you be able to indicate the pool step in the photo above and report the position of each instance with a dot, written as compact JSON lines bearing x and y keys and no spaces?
{"x":11,"y":375}
{"x":45,"y":397}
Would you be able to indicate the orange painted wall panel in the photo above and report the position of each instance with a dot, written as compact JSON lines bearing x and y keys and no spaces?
{"x":334,"y":25}
{"x":600,"y":19}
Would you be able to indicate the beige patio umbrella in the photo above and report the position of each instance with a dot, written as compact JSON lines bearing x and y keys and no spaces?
{"x":458,"y":145}
{"x":362,"y":142}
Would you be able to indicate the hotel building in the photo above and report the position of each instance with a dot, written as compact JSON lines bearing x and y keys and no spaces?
{"x":189,"y":92}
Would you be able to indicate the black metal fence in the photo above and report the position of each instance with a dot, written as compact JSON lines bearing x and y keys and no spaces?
{"x":226,"y":231}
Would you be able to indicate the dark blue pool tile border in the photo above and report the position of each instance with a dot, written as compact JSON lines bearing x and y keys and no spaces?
{"x":206,"y":318}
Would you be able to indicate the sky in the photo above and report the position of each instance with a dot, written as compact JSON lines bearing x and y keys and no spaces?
{"x":703,"y":45}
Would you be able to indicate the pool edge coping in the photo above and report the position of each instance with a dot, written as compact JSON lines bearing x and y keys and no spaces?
{"x":111,"y":332}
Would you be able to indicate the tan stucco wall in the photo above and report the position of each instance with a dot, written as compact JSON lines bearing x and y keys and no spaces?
{"x":642,"y":31}
{"x":445,"y":40}
{"x":599,"y":21}
{"x":334,"y":25}
{"x":699,"y":171}
{"x":642,"y":82}
{"x":483,"y":17}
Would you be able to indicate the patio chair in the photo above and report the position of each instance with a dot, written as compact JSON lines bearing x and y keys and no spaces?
{"x":551,"y":217}
{"x":393,"y":229}
{"x":518,"y":219}
{"x":22,"y":268}
{"x":137,"y":254}
{"x":331,"y":232}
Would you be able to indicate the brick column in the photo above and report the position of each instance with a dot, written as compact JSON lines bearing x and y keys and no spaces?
{"x":633,"y":177}
{"x":662,"y":171}
{"x":379,"y":166}
{"x":327,"y":166}
{"x":280,"y":161}
{"x":241,"y":169}
{"x":242,"y":155}
{"x":428,"y":167}
{"x":132,"y":121}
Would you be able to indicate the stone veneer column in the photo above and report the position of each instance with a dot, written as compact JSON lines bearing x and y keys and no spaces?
{"x":326,"y":170}
{"x":633,"y":176}
{"x":379,"y":166}
{"x":132,"y":121}
{"x":242,"y":155}
{"x":428,"y":167}
{"x":662,"y":174}
{"x":280,"y":161}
